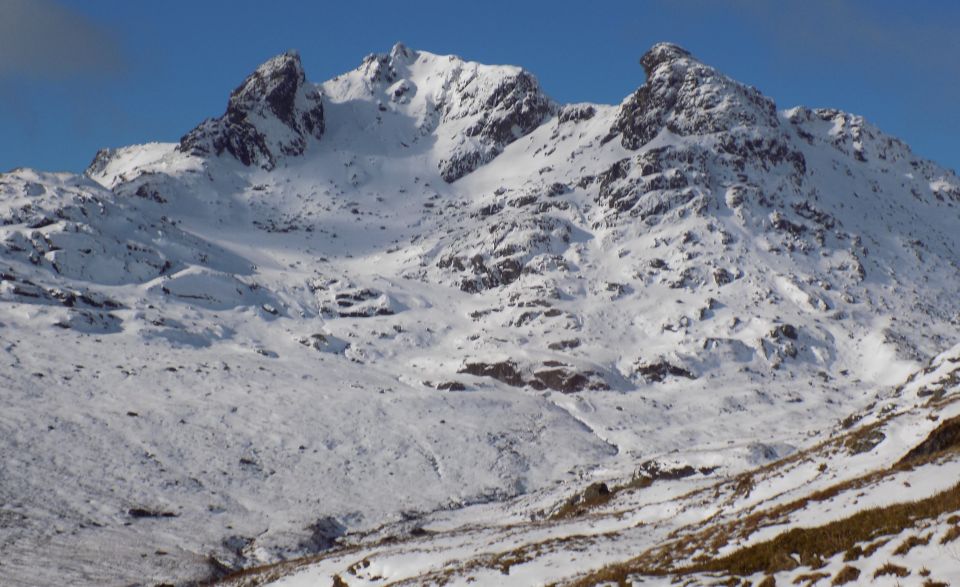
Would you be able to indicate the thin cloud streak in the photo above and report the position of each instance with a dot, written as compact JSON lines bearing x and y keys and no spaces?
{"x":851,"y":31}
{"x":848,"y":32}
{"x":44,"y":40}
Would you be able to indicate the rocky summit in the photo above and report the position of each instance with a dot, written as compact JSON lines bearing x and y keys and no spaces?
{"x":423,"y":308}
{"x":249,"y":129}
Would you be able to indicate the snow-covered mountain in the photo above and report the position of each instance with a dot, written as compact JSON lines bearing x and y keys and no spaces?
{"x":424,"y":285}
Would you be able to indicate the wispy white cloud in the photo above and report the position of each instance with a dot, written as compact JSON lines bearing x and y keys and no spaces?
{"x":849,"y":32}
{"x":43,"y":39}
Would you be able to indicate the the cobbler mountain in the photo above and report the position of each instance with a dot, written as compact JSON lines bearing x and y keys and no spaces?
{"x":423,"y":284}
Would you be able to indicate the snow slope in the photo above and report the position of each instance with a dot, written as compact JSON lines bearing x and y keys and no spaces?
{"x":423,"y":285}
{"x":676,"y":526}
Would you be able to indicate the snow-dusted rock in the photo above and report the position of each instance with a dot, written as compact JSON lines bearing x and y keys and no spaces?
{"x":274,"y":112}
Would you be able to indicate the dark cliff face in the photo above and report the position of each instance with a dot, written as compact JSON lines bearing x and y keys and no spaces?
{"x":276,"y":90}
{"x":515,"y":108}
{"x":272,"y":87}
{"x":735,"y":130}
{"x":687,"y":97}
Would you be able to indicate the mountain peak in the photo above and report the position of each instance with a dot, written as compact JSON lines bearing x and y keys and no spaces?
{"x":400,"y":52}
{"x":272,"y":86}
{"x":662,"y":53}
{"x":687,"y":97}
{"x":473,"y":110}
{"x":278,"y":90}
{"x":288,"y":59}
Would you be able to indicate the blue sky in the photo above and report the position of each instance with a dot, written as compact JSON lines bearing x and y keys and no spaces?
{"x":77,"y":75}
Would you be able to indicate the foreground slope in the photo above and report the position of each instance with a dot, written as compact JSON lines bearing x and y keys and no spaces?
{"x":423,"y":285}
{"x":877,"y":503}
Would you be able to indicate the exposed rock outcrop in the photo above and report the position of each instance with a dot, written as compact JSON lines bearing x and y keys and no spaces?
{"x":687,"y":97}
{"x":514,"y":108}
{"x":273,"y":112}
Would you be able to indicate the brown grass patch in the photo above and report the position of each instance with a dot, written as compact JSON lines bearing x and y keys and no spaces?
{"x":891,"y":569}
{"x":952,"y":534}
{"x":858,"y":552}
{"x":846,"y":575}
{"x":865,"y":439}
{"x":595,"y":495}
{"x":945,"y":437}
{"x":810,"y":578}
{"x":814,"y":545}
{"x":910,"y":543}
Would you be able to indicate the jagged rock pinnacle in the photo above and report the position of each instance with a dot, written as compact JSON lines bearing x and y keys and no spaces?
{"x":273,"y":85}
{"x":687,"y":97}
{"x":662,"y":53}
{"x":401,"y":52}
{"x":277,"y":89}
